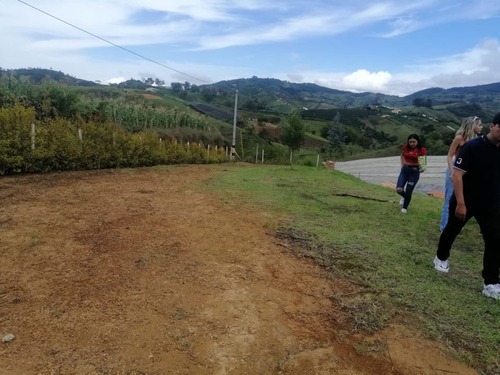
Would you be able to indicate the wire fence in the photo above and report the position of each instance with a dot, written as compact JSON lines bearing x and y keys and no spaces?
{"x":57,"y":145}
{"x":27,"y":146}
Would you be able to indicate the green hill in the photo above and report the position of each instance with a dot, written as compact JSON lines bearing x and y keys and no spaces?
{"x":373,"y":124}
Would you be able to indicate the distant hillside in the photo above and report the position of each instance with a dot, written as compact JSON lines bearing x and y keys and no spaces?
{"x":38,"y":75}
{"x":461,"y":93}
{"x":373,"y":124}
{"x":487,"y":96}
{"x":276,"y":96}
{"x":268,"y":95}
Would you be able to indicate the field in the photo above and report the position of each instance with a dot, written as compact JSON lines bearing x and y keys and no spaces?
{"x":147,"y":271}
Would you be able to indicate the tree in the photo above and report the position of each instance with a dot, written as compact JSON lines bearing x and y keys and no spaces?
{"x":336,"y":135}
{"x":208,"y":93}
{"x":159,"y":82}
{"x":420,"y":102}
{"x":176,"y":86}
{"x":426,"y":129}
{"x":293,"y":132}
{"x":337,"y":138}
{"x":251,"y":105}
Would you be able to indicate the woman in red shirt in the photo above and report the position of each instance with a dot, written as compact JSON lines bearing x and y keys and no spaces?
{"x":410,"y":169}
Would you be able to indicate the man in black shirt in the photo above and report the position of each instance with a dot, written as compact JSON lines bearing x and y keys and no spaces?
{"x":476,"y":184}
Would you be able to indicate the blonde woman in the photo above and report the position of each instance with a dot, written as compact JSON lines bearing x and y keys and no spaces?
{"x":470,"y":128}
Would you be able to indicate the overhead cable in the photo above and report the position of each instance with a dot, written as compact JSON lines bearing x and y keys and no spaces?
{"x":114,"y":44}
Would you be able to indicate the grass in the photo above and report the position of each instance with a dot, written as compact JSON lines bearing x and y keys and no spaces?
{"x":387,"y":255}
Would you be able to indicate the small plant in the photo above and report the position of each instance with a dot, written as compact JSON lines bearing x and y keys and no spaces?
{"x":180,"y":315}
{"x":375,"y":346}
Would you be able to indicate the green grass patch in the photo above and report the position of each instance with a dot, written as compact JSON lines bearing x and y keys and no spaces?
{"x":356,"y":231}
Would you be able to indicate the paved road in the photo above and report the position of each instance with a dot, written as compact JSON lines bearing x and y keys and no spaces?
{"x":376,"y":171}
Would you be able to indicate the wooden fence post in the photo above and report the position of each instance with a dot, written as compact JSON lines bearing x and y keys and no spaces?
{"x":33,"y":136}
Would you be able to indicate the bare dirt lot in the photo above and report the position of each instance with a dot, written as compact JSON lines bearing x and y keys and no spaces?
{"x":138,"y":272}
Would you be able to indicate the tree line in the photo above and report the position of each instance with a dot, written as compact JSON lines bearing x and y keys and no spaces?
{"x":89,"y":128}
{"x":27,"y":145}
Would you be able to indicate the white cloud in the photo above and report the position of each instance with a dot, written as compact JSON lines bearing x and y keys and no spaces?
{"x":184,"y":32}
{"x":483,"y":57}
{"x":330,"y":21}
{"x":363,"y":80}
{"x":116,"y":80}
{"x":402,"y":26}
{"x":359,"y":81}
{"x":478,"y":65}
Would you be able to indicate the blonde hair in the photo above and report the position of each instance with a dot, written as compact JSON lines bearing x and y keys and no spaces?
{"x":467,"y":127}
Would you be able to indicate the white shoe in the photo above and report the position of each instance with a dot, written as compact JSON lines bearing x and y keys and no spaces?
{"x":441,"y":265}
{"x":401,"y":201}
{"x":492,"y":290}
{"x":404,"y":210}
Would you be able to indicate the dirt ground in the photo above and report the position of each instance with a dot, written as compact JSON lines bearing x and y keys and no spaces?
{"x":137,"y":272}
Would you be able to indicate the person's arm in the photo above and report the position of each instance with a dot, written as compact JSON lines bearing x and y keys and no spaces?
{"x":458,"y":187}
{"x":402,"y":159}
{"x":451,"y":152}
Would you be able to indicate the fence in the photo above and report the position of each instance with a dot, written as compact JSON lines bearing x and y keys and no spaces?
{"x":58,"y":145}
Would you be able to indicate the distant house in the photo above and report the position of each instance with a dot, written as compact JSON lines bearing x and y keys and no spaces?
{"x":396,"y":111}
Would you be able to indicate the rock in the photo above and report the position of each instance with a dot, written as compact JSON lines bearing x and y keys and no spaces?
{"x":438,"y":194}
{"x":8,"y":338}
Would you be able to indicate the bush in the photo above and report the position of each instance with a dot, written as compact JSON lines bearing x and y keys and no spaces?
{"x":64,"y":145}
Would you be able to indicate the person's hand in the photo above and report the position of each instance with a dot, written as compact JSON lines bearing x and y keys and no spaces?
{"x":461,"y":212}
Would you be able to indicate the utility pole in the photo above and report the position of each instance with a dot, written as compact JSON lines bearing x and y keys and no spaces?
{"x":233,"y":147}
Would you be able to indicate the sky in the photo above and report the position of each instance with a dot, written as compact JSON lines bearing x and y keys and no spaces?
{"x":392,"y":47}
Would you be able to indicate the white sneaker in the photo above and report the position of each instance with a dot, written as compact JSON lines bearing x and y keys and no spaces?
{"x":404,"y":210}
{"x":492,"y":290}
{"x":441,"y":265}
{"x":401,"y":201}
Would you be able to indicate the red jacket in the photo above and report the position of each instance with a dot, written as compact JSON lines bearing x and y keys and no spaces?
{"x":411,"y":155}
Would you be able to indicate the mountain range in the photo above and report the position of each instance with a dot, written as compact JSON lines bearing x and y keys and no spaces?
{"x":273,"y":95}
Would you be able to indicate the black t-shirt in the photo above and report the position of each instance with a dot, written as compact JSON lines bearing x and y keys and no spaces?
{"x":480,"y":160}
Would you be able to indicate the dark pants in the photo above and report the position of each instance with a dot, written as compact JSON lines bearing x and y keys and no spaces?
{"x":408,"y":176}
{"x":489,"y":223}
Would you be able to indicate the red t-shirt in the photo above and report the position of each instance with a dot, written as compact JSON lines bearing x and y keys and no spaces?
{"x":411,"y":155}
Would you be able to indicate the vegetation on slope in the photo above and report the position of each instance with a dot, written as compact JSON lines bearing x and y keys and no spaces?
{"x":336,"y":124}
{"x":334,"y":219}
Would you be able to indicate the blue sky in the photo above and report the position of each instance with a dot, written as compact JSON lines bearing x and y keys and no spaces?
{"x":392,"y":47}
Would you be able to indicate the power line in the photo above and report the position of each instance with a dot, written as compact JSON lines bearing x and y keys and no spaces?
{"x":114,"y":44}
